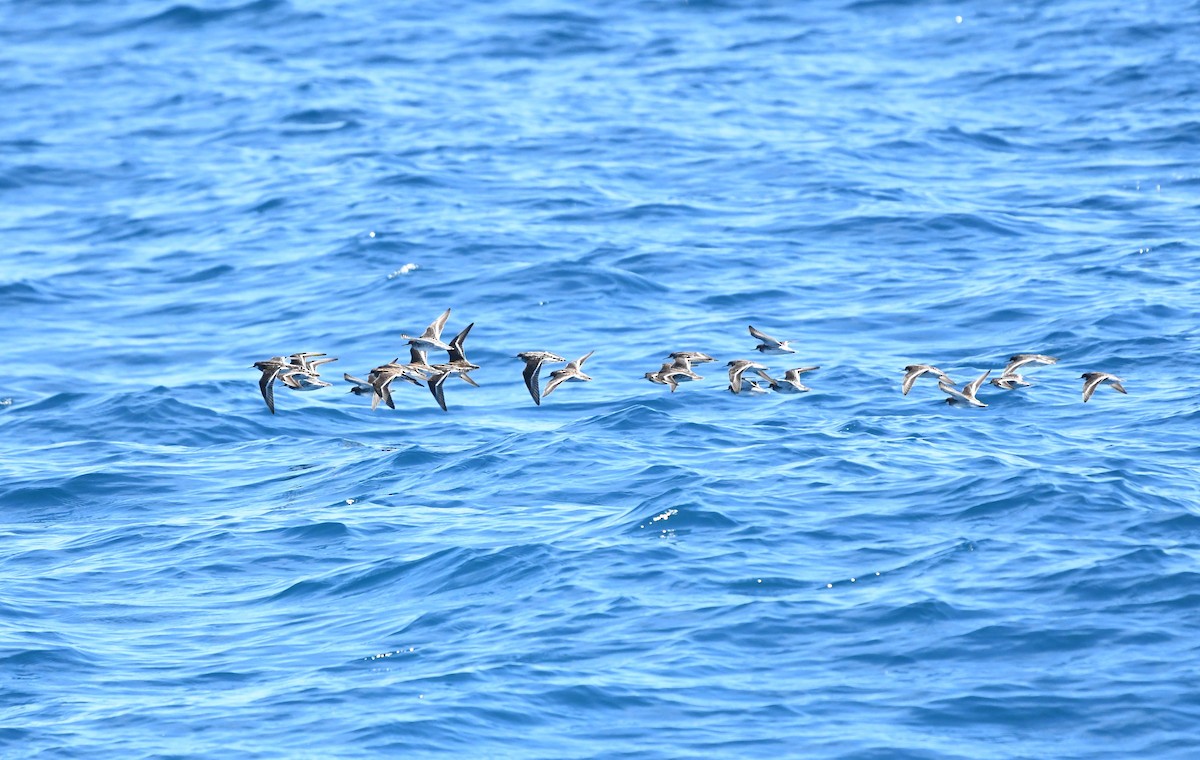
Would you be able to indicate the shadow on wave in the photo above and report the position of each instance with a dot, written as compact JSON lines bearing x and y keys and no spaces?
{"x":190,"y":17}
{"x":566,"y":280}
{"x":484,"y":570}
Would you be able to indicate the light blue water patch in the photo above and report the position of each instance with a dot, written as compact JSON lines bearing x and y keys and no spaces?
{"x":622,"y":571}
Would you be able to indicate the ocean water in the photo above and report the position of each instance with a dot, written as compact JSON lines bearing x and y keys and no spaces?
{"x":188,"y":188}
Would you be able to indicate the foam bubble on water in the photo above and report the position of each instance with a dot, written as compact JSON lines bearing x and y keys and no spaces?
{"x":852,"y":580}
{"x":409,"y":267}
{"x":663,"y":516}
{"x":393,"y":653}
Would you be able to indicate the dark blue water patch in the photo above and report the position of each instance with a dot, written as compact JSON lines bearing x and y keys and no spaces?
{"x":1025,"y":709}
{"x":124,"y":229}
{"x":750,"y":299}
{"x":573,"y":280}
{"x":1145,"y":32}
{"x":158,"y":415}
{"x":406,"y":734}
{"x":497,"y":464}
{"x":1126,"y":75}
{"x":514,"y":567}
{"x":302,"y":590}
{"x":38,"y":292}
{"x":871,"y":749}
{"x":216,"y":272}
{"x":974,"y":223}
{"x":957,"y":138}
{"x":548,"y":36}
{"x":902,"y":147}
{"x":321,"y":130}
{"x":644,"y":212}
{"x":794,"y":43}
{"x":269,"y":205}
{"x":21,"y":146}
{"x":62,"y":659}
{"x":926,"y":612}
{"x":414,"y":629}
{"x":1110,"y":202}
{"x":666,"y":266}
{"x":315,"y":532}
{"x":1182,"y":134}
{"x":573,"y":19}
{"x":1002,"y":640}
{"x":1173,"y":592}
{"x":58,"y":401}
{"x":1183,"y":526}
{"x":1007,"y":507}
{"x":617,"y":485}
{"x":901,"y":230}
{"x":412,"y":455}
{"x":410,"y":180}
{"x":633,"y":418}
{"x":37,"y":499}
{"x":320,"y":117}
{"x":1116,"y":578}
{"x":191,"y":18}
{"x":26,"y":176}
{"x":880,"y":5}
{"x":410,"y":577}
{"x":390,"y":59}
{"x":1023,"y":82}
{"x":10,"y":609}
{"x":15,"y":736}
{"x":596,"y":698}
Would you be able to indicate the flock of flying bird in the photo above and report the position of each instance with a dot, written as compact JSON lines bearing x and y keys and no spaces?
{"x":1009,"y":379}
{"x":299,"y":371}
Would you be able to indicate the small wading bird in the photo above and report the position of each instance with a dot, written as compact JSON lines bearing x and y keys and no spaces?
{"x":573,"y":371}
{"x":533,"y":366}
{"x":790,"y":382}
{"x":382,"y":377}
{"x":678,"y":371}
{"x":1093,"y":380}
{"x":691,"y":357}
{"x":457,"y":365}
{"x":298,"y":372}
{"x":769,"y":345}
{"x":432,"y":337}
{"x":913,"y":371}
{"x":1010,"y":379}
{"x":965,"y":397}
{"x":737,"y":368}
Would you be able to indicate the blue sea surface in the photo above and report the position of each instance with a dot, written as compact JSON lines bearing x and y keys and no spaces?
{"x":187,"y":188}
